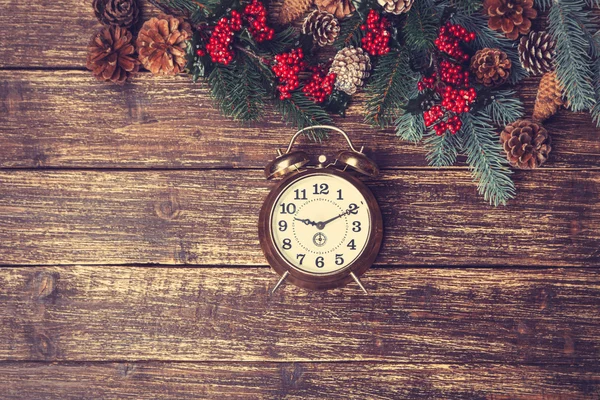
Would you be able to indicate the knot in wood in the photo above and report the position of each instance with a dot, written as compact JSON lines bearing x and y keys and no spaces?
{"x":44,"y":346}
{"x":168,"y":209}
{"x":44,"y":284}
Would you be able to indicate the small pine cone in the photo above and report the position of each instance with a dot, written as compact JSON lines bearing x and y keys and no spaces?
{"x":123,"y":13}
{"x":339,"y":8}
{"x":161,"y":44}
{"x":110,"y":55}
{"x":536,"y":52}
{"x":512,"y":17}
{"x":323,"y":26}
{"x":351,"y":66}
{"x":549,"y":97}
{"x":396,"y":6}
{"x":527,"y":144}
{"x":491,"y":67}
{"x":292,"y":9}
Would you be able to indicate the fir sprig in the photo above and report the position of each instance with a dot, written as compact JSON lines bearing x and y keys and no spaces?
{"x":301,"y":111}
{"x":389,"y":88}
{"x":410,"y":127}
{"x":441,"y":150}
{"x":504,"y":107}
{"x":484,"y":155}
{"x":350,"y":32}
{"x":421,"y":26}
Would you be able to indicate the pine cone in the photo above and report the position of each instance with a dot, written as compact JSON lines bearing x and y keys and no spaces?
{"x":292,"y":9}
{"x":339,"y":8}
{"x":161,"y":44}
{"x":396,"y":6}
{"x":122,"y":13}
{"x":536,"y":52}
{"x":110,"y":55}
{"x":491,"y":67}
{"x":351,"y":66}
{"x":527,"y":144}
{"x":549,"y":97}
{"x":512,"y":17}
{"x":323,"y":26}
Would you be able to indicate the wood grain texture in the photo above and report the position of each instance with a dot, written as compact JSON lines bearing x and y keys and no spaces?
{"x":411,"y":315}
{"x":68,"y":119}
{"x":210,"y":217}
{"x":350,"y":381}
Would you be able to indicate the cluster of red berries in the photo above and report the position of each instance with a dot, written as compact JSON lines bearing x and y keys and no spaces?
{"x":458,"y":100}
{"x":453,"y":74}
{"x":427,"y":82}
{"x":219,"y":46}
{"x":256,"y":15}
{"x":320,"y":86}
{"x":287,"y":68}
{"x":449,"y":38}
{"x":377,"y":36}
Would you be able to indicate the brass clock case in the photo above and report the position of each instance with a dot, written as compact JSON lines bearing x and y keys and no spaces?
{"x":286,"y":163}
{"x":359,"y":162}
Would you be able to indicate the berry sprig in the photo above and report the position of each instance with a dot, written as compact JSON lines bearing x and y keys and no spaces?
{"x":320,"y":85}
{"x":377,"y":36}
{"x":287,"y":68}
{"x":256,"y":15}
{"x":220,"y":44}
{"x":450,"y":38}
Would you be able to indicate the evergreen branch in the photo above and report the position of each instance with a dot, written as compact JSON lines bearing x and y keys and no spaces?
{"x":505,"y":107}
{"x":441,"y":150}
{"x":593,"y":3}
{"x":350,"y":32}
{"x":389,"y":88}
{"x":410,"y":127}
{"x":485,"y":37}
{"x":301,"y":111}
{"x":466,"y":6}
{"x":543,"y":5}
{"x":282,"y":41}
{"x":573,"y":63}
{"x":421,"y":26}
{"x":484,"y":156}
{"x":595,"y":111}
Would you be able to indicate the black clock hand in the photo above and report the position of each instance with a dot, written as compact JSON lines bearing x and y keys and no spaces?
{"x":306,"y":221}
{"x":321,"y":225}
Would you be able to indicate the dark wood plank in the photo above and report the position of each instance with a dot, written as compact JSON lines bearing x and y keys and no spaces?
{"x":295,"y":381}
{"x":101,"y":313}
{"x":67,"y":119}
{"x":210,"y":217}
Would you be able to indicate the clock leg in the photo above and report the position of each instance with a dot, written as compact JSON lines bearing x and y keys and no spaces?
{"x":358,"y":282}
{"x":285,"y":275}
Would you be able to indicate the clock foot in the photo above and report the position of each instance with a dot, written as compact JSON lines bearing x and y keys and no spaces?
{"x":285,"y":275}
{"x":358,"y":282}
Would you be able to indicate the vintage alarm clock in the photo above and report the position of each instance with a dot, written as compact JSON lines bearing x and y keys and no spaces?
{"x":320,"y":227}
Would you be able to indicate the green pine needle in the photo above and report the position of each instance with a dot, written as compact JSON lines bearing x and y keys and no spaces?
{"x":301,"y":112}
{"x":488,"y":165}
{"x":410,"y":127}
{"x":389,"y":89}
{"x":350,"y":32}
{"x":421,"y":27}
{"x":466,"y":6}
{"x":505,"y":107}
{"x":567,"y":22}
{"x":441,"y":150}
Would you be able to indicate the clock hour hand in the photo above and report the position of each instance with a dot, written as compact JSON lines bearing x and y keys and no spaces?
{"x":306,"y":221}
{"x":321,"y":225}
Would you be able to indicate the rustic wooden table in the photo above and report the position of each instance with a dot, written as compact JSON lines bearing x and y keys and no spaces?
{"x":131,"y":266}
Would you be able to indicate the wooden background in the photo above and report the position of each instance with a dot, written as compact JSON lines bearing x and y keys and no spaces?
{"x":130,"y":264}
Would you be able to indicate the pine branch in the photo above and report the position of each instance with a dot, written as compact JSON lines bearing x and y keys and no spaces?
{"x":543,"y":5}
{"x":302,"y":112}
{"x":282,"y":41}
{"x":484,"y":156}
{"x":485,"y":37}
{"x":350,"y":32}
{"x":421,"y":26}
{"x":573,"y":64}
{"x":441,"y":150}
{"x":410,"y":127}
{"x":389,"y":88}
{"x":466,"y":6}
{"x":505,"y":107}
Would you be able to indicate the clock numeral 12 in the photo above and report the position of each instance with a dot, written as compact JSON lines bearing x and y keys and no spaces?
{"x":323,"y":188}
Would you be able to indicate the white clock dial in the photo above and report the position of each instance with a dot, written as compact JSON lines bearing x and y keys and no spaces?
{"x":320,"y":223}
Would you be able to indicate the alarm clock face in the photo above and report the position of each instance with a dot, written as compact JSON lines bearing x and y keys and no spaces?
{"x":320,"y":223}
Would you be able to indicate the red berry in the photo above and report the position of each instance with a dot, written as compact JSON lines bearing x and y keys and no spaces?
{"x":377,"y":37}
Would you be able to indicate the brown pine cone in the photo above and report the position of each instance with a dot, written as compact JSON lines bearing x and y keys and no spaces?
{"x":110,"y":55}
{"x":161,"y":44}
{"x":339,"y":8}
{"x":527,"y":144}
{"x":536,"y":52}
{"x":396,"y":6}
{"x":291,"y":10}
{"x":323,"y":27}
{"x":491,"y":67}
{"x":122,"y":13}
{"x":512,"y":17}
{"x":351,"y":66}
{"x":549,"y":97}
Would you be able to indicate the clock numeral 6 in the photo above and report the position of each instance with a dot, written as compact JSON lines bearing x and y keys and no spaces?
{"x":338,"y":259}
{"x":323,"y":188}
{"x":300,"y":257}
{"x":287,"y":244}
{"x":356,"y":226}
{"x":282,"y":226}
{"x":320,"y":262}
{"x":351,"y":245}
{"x":288,"y":208}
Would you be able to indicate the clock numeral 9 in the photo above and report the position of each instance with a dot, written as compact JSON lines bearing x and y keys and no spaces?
{"x":320,"y":262}
{"x":282,"y":226}
{"x":351,"y":245}
{"x":288,"y":208}
{"x":287,"y":244}
{"x":356,"y":226}
{"x":323,"y":188}
{"x":300,"y":194}
{"x":300,"y":257}
{"x":353,"y":208}
{"x":338,"y":259}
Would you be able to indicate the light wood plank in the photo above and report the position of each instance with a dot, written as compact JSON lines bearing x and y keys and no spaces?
{"x":67,"y":119}
{"x":295,"y":381}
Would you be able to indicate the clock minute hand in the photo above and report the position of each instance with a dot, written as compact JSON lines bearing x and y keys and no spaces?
{"x":321,"y":225}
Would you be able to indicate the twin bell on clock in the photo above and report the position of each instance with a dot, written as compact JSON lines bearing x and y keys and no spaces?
{"x":320,"y":227}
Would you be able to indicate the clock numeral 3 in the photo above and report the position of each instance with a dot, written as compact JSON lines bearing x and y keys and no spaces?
{"x":356,"y":226}
{"x":287,"y":244}
{"x":300,"y":194}
{"x":319,"y":262}
{"x":288,"y":208}
{"x":282,"y":226}
{"x":300,"y":257}
{"x":351,"y":245}
{"x":323,"y":188}
{"x":338,"y":259}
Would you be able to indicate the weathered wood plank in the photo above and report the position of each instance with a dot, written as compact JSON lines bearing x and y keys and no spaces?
{"x":67,"y":119}
{"x":100,"y":313}
{"x":210,"y":217}
{"x":295,"y":381}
